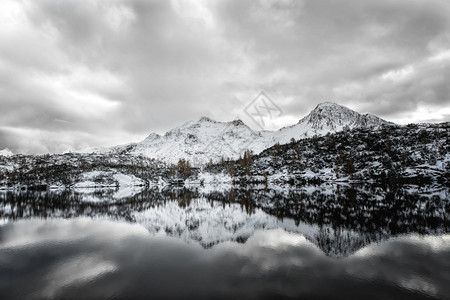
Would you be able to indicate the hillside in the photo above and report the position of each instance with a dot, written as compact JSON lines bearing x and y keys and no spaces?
{"x":390,"y":155}
{"x":417,"y":154}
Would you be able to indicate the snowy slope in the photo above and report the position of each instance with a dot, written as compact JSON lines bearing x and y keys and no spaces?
{"x":205,"y":140}
{"x":199,"y":142}
{"x":326,"y":118}
{"x":6,"y":152}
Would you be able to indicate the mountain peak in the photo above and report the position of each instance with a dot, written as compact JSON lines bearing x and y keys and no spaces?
{"x":330,"y":106}
{"x":328,"y":103}
{"x":238,"y":122}
{"x":328,"y":117}
{"x":206,"y":119}
{"x":153,"y":136}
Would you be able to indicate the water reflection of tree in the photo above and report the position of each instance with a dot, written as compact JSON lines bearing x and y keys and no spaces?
{"x":183,"y":196}
{"x":340,"y":242}
{"x":365,"y":209}
{"x":246,"y":202}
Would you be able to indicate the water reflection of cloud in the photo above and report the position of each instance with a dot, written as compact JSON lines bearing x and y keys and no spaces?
{"x":413,"y":262}
{"x":262,"y":251}
{"x":106,"y":259}
{"x":433,"y":243}
{"x":417,"y":283}
{"x":35,"y":231}
{"x":75,"y":271}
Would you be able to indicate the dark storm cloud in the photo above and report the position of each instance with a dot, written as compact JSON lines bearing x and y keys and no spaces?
{"x":324,"y":48}
{"x":121,"y":69}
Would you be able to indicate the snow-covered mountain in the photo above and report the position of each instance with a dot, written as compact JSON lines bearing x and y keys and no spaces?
{"x":206,"y":139}
{"x":199,"y":142}
{"x":326,"y":118}
{"x":6,"y":152}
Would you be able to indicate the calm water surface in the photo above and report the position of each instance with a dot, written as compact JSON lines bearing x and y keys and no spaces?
{"x":322,"y":242}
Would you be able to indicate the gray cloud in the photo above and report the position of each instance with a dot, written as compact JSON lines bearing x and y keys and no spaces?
{"x":74,"y":70}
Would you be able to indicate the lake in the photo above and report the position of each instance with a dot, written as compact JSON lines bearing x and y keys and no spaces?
{"x":219,"y":242}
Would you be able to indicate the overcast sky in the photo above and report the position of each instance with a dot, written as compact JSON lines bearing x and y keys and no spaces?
{"x":78,"y":73}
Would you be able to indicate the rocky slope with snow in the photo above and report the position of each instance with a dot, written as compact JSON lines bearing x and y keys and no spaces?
{"x":199,"y":142}
{"x":414,"y":154}
{"x":326,"y":118}
{"x":6,"y":152}
{"x":389,"y":155}
{"x":206,"y":139}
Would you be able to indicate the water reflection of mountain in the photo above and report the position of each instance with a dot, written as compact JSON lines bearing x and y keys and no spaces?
{"x":339,"y":219}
